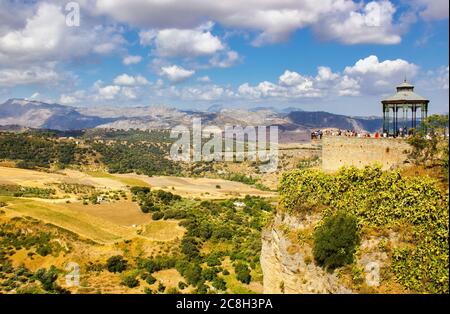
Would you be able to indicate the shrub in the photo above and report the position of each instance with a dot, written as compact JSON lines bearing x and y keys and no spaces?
{"x":192,"y":273}
{"x":161,"y":288}
{"x":148,"y":206}
{"x":150,"y":279}
{"x":158,"y":215}
{"x":182,"y":285}
{"x":222,"y":232}
{"x":213,"y":259}
{"x":130,"y":282}
{"x":189,"y":247}
{"x":47,"y":278}
{"x":208,"y":274}
{"x":335,"y":241}
{"x":201,"y":288}
{"x":175,"y":214}
{"x":44,"y":250}
{"x":140,"y":189}
{"x":219,"y":284}
{"x":116,"y":264}
{"x":242,"y":273}
{"x":157,"y":263}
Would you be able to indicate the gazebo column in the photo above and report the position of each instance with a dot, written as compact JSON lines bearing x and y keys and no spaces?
{"x":395,"y":121}
{"x":421,"y":116}
{"x":415,"y":116}
{"x":387,"y":120}
{"x":404,"y":118}
{"x":384,"y":118}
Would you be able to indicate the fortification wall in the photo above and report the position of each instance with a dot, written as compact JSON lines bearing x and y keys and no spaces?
{"x":338,"y":151}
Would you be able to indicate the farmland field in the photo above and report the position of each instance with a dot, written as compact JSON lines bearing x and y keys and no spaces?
{"x":204,"y":188}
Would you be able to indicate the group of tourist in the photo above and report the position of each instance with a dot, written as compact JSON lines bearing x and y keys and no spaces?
{"x":318,"y":134}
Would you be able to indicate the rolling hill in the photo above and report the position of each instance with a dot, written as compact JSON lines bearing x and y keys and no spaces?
{"x":35,"y":114}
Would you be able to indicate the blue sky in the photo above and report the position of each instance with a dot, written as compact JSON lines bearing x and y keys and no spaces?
{"x":339,"y":56}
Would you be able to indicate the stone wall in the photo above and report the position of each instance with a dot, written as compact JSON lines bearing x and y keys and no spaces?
{"x":338,"y":151}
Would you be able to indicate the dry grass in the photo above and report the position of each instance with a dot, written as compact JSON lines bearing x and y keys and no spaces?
{"x":204,"y":188}
{"x":168,"y":277}
{"x":88,"y":226}
{"x":124,"y":179}
{"x":123,"y":213}
{"x":163,"y":230}
{"x":42,"y":179}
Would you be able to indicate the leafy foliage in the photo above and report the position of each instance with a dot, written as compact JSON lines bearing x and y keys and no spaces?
{"x":335,"y":241}
{"x":383,"y":200}
{"x":38,"y":150}
{"x":130,"y":281}
{"x":430,"y":143}
{"x":242,"y":273}
{"x":154,"y":201}
{"x":116,"y":264}
{"x":146,"y":158}
{"x":23,"y":191}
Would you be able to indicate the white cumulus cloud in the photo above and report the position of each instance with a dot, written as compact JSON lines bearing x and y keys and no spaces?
{"x":272,"y":20}
{"x":174,"y":42}
{"x":176,"y":73}
{"x":129,"y":80}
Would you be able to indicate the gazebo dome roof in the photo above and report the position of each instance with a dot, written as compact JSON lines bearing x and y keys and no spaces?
{"x":405,"y":93}
{"x":405,"y":85}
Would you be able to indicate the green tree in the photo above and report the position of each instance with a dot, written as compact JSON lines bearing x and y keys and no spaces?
{"x":116,"y":264}
{"x":430,"y":143}
{"x":219,"y":284}
{"x":242,"y":273}
{"x":130,"y":281}
{"x":336,"y":240}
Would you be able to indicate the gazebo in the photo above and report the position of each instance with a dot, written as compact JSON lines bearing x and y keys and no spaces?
{"x":405,"y":101}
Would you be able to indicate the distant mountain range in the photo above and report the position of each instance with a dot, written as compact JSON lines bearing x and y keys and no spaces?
{"x":35,"y":114}
{"x":16,"y":113}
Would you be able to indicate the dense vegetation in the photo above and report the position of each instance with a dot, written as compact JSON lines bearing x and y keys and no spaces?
{"x":38,"y":150}
{"x":336,"y":240}
{"x":430,"y":144}
{"x":142,"y":158}
{"x":383,"y":200}
{"x":155,"y":201}
{"x":37,"y":239}
{"x":25,"y":191}
{"x":141,"y":152}
{"x":240,"y":177}
{"x":121,"y":151}
{"x":239,"y":239}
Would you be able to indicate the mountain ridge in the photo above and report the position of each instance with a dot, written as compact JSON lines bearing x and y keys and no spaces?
{"x":37,"y":114}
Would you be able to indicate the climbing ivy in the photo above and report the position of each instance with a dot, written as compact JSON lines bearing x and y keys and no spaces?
{"x":383,"y":199}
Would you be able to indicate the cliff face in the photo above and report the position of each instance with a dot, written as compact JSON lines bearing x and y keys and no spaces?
{"x":288,"y":265}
